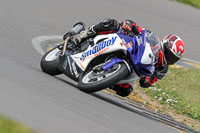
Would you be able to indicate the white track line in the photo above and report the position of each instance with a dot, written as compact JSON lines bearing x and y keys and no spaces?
{"x":36,"y":42}
{"x":194,"y":61}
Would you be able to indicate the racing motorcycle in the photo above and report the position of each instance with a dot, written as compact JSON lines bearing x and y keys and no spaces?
{"x":104,"y":60}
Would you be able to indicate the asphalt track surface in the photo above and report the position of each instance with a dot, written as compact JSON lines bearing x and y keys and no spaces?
{"x":49,"y":104}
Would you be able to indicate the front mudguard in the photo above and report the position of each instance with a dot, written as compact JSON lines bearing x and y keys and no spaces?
{"x":113,"y":61}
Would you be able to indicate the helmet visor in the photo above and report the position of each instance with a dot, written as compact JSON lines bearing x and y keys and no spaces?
{"x":170,"y":57}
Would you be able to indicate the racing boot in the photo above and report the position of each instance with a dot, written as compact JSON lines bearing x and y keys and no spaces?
{"x":122,"y":89}
{"x":85,"y":34}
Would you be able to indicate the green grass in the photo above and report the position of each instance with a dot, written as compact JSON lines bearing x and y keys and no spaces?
{"x":194,"y":3}
{"x":8,"y":126}
{"x":180,"y":89}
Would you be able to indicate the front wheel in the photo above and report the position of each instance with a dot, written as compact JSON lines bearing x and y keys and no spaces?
{"x":49,"y":62}
{"x":97,"y":79}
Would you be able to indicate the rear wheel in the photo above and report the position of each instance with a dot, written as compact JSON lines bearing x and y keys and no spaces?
{"x":97,"y":79}
{"x":49,"y":62}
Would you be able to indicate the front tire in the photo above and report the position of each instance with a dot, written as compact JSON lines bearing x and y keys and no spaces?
{"x":49,"y":62}
{"x":89,"y":83}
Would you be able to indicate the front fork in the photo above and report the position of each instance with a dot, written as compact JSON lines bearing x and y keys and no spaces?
{"x":114,"y":61}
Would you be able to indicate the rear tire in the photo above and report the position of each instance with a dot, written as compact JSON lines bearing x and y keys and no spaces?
{"x":94,"y":86}
{"x":49,"y":62}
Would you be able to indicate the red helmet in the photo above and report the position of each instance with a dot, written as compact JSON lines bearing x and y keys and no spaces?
{"x":172,"y":48}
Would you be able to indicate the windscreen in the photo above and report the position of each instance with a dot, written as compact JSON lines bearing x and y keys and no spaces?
{"x":154,"y":43}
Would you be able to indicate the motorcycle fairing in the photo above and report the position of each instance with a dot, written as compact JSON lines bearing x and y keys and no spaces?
{"x":139,"y":51}
{"x":125,"y":39}
{"x":69,"y":67}
{"x":111,"y":63}
{"x":142,"y":56}
{"x":109,"y":43}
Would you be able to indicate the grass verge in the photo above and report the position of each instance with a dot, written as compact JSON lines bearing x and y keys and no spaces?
{"x":194,"y":3}
{"x":8,"y":126}
{"x":179,"y":90}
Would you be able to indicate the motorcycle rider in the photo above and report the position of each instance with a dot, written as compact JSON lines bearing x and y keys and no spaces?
{"x":172,"y":49}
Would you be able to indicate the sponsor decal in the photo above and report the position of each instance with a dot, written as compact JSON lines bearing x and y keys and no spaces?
{"x":130,"y":44}
{"x":99,"y":48}
{"x":75,"y":70}
{"x":139,"y":39}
